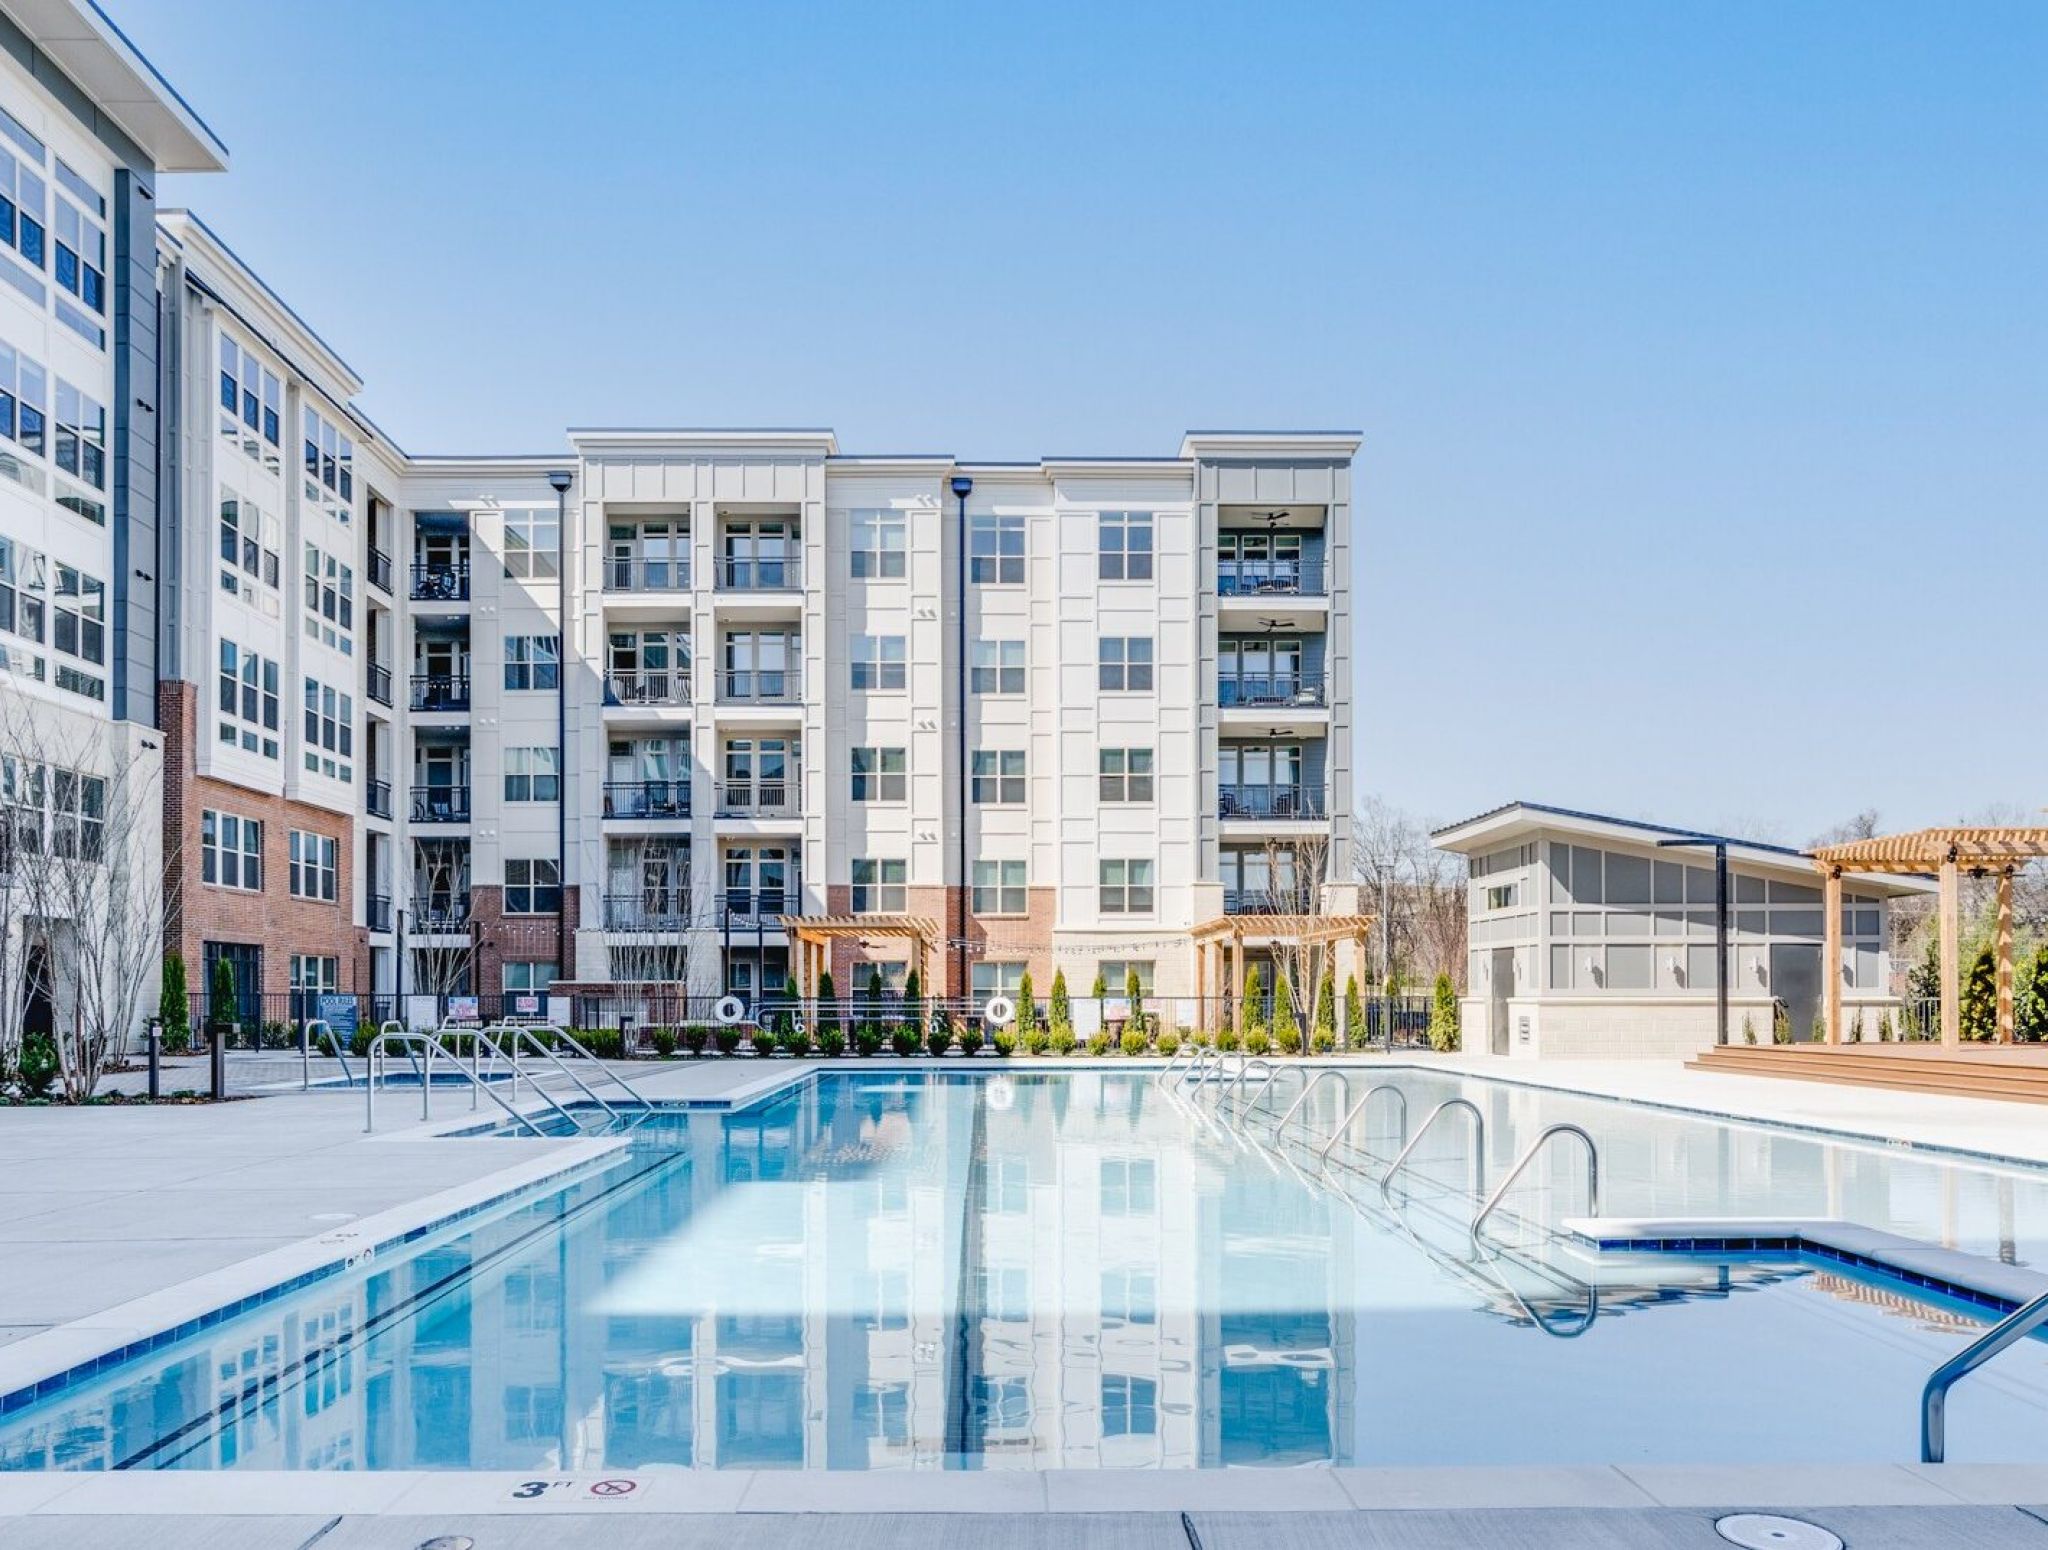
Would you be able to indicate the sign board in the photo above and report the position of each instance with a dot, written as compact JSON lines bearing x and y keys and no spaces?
{"x":464,"y":1009}
{"x":526,"y":1005}
{"x":339,"y":1013}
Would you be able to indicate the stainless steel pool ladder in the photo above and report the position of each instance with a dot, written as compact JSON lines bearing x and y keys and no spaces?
{"x":1478,"y":1144}
{"x":1343,"y":1126}
{"x":306,"y":1051}
{"x":1244,"y":1069}
{"x":1301,"y":1098}
{"x":420,"y":1049}
{"x":1549,"y":1134}
{"x":520,"y":1036}
{"x":1191,"y":1050}
{"x":2015,"y":1326}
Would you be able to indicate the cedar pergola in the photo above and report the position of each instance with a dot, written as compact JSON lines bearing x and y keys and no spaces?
{"x":1219,"y":948}
{"x":815,"y":934}
{"x":1945,"y":854}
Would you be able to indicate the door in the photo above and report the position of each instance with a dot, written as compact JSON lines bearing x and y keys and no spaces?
{"x":1501,"y":987}
{"x":1795,"y":980}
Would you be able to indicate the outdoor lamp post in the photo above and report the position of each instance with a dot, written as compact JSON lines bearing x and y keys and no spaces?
{"x":156,"y":1051}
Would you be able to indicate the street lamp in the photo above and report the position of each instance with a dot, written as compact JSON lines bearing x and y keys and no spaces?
{"x":1719,"y":847}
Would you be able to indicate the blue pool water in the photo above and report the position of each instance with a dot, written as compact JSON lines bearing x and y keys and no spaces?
{"x":1085,"y":1270}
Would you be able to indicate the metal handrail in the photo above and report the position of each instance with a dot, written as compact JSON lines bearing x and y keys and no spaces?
{"x":429,"y":1042}
{"x":1592,"y":1175}
{"x":1190,"y":1050}
{"x":2015,"y":1326}
{"x":1343,"y":1125}
{"x":1435,"y":1114}
{"x":617,"y":1081}
{"x":306,"y":1050}
{"x":1244,"y":1068}
{"x":1314,"y":1082}
{"x":483,"y":1041}
{"x":520,"y":1034}
{"x":1259,"y":1092}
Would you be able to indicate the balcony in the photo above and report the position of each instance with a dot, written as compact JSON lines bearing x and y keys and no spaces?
{"x":1286,"y":803}
{"x":440,"y":804}
{"x":1273,"y":690}
{"x":647,"y":799}
{"x":645,"y":575}
{"x":380,"y":570}
{"x":377,"y":914}
{"x":440,"y":581}
{"x":749,"y":686}
{"x":757,"y":909}
{"x":757,"y":799}
{"x":760,"y":574}
{"x":380,"y":684}
{"x":440,"y":691}
{"x":1270,"y":578}
{"x":652,"y":909}
{"x":1266,"y":901}
{"x":439,"y":913}
{"x":377,"y":798}
{"x":663,"y":686}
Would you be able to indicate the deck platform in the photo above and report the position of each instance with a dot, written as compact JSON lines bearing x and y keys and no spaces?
{"x":2013,"y":1072}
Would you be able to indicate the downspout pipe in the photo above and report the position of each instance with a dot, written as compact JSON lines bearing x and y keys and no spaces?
{"x":962,"y":488}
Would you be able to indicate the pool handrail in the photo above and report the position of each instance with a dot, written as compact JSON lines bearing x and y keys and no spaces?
{"x":1313,"y":1083}
{"x":617,"y":1080}
{"x":1435,"y":1114}
{"x":306,"y":1050}
{"x":521,"y":1034}
{"x":1244,"y":1069}
{"x":482,"y":1036}
{"x":2015,"y":1326}
{"x":1549,"y":1133}
{"x":1280,"y":1069}
{"x":1190,"y":1049}
{"x":1343,"y":1125}
{"x":429,"y":1042}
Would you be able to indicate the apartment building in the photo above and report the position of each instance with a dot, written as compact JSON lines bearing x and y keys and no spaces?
{"x":692,"y":710}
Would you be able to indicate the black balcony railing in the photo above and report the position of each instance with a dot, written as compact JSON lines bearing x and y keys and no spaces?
{"x":380,"y":684}
{"x":1271,"y":802}
{"x":380,"y":569}
{"x":440,"y":691}
{"x":647,"y":799}
{"x":1269,"y":578}
{"x":1271,"y":689}
{"x":640,"y":574}
{"x":378,"y":913}
{"x":746,"y":909}
{"x":1266,"y":901}
{"x":757,"y":798}
{"x":760,"y":686}
{"x":648,"y":686}
{"x":651,"y":909}
{"x":377,"y":798}
{"x":759,"y":574}
{"x":437,"y":914}
{"x":441,"y":581}
{"x":440,"y":804}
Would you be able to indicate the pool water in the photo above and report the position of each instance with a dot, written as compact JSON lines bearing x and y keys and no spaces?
{"x":1090,"y":1270}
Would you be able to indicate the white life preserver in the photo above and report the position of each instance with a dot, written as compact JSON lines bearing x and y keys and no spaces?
{"x":730,"y":1009}
{"x":1000,"y":1011}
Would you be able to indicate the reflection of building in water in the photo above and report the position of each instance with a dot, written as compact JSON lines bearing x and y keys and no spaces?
{"x":1036,"y":1274}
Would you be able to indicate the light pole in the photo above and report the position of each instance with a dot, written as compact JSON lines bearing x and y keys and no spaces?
{"x":1720,"y":850}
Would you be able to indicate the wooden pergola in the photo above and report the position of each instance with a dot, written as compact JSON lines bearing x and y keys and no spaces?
{"x":1220,"y":943}
{"x":815,"y":934}
{"x":1945,"y":854}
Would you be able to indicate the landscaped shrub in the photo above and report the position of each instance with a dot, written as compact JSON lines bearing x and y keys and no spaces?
{"x":37,"y":1067}
{"x":828,"y":1006}
{"x":1884,"y":1029}
{"x":664,"y":1042}
{"x":1037,"y":1041}
{"x":1322,"y":1041}
{"x":1980,"y":997}
{"x":1169,"y":1043}
{"x":604,"y":1043}
{"x":1227,"y":1040}
{"x":728,"y":1037}
{"x":1061,"y":1012}
{"x":1781,"y":1023}
{"x":763,"y":1038}
{"x":1027,"y":1009}
{"x":1354,"y":1012}
{"x":1443,"y":1016}
{"x":1251,"y":1011}
{"x":1856,"y":1027}
{"x":1063,"y":1039}
{"x":1258,"y":1041}
{"x":903,"y":1040}
{"x":2030,"y":999}
{"x":970,"y":1039}
{"x":1134,"y":994}
{"x":913,"y":998}
{"x":867,"y":1040}
{"x":832,"y":1042}
{"x":798,"y":1038}
{"x":1324,"y":1019}
{"x":695,"y":1037}
{"x":938,"y":1040}
{"x":1098,"y":1043}
{"x":1135,"y":1043}
{"x":1286,"y":1027}
{"x":174,"y":1006}
{"x":221,"y":993}
{"x":1748,"y":1029}
{"x":1005,"y":1042}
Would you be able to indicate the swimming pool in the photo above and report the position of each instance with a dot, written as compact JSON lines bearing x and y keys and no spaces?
{"x":935,"y":1269}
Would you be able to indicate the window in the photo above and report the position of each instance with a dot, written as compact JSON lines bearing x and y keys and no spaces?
{"x":879,"y":662}
{"x":251,"y":403}
{"x":522,"y":974}
{"x":996,"y":979}
{"x":535,"y":661}
{"x":533,"y":775}
{"x":249,"y":554}
{"x":78,"y":629}
{"x":24,"y":581}
{"x":1126,"y":774}
{"x":880,"y":887}
{"x":881,"y":544}
{"x":1001,"y":1404}
{"x":330,"y":597}
{"x":81,"y":258}
{"x":81,"y":437}
{"x":1124,"y":662}
{"x":1125,"y":887}
{"x":24,"y":206}
{"x":881,"y":775}
{"x":533,"y":887}
{"x":1129,"y":1186}
{"x":248,"y":709}
{"x":1130,"y":1296}
{"x":24,"y":410}
{"x":1116,"y":974}
{"x":995,"y":549}
{"x":311,"y":972}
{"x":1503,"y":896}
{"x":330,"y":731}
{"x":998,"y":777}
{"x":78,"y":815}
{"x":1130,"y":1406}
{"x":999,"y":889}
{"x":532,"y":534}
{"x":231,"y":851}
{"x":1003,"y":1293}
{"x":998,"y":667}
{"x":330,"y":465}
{"x":1124,"y":546}
{"x":313,"y":866}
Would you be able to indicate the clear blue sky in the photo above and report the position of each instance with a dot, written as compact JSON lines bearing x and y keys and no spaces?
{"x":1701,"y":351}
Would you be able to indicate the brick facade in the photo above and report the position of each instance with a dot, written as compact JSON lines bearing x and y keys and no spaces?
{"x":1025,"y":938}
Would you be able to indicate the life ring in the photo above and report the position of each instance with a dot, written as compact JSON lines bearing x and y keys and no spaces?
{"x":729,"y":1010}
{"x":999,"y":1011}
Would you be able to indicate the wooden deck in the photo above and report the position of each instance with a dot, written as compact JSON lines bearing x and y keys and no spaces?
{"x":2013,"y":1072}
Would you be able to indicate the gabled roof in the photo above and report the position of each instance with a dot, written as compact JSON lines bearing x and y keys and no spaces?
{"x":87,"y":46}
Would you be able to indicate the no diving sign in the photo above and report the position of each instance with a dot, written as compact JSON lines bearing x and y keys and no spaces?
{"x":561,"y":1489}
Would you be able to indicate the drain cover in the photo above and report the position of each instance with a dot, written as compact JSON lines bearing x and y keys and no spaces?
{"x":1765,"y":1531}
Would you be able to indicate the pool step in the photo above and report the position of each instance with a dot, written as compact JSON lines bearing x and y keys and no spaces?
{"x":2007,"y":1072}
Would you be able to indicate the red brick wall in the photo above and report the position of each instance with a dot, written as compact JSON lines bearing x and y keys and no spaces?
{"x":1025,"y":938}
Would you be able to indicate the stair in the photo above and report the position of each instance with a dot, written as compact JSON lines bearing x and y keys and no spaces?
{"x":2016,"y":1074}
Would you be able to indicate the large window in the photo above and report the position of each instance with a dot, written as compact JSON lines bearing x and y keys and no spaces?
{"x":24,"y":604}
{"x":330,"y":731}
{"x":78,"y":815}
{"x":314,"y":973}
{"x":24,"y":206}
{"x":1124,"y":546}
{"x":529,"y":976}
{"x":995,"y":549}
{"x":1125,"y":774}
{"x":535,"y":661}
{"x":879,"y":662}
{"x":998,"y":667}
{"x":998,"y":778}
{"x":1130,"y":1186}
{"x":330,"y":596}
{"x":1000,"y":889}
{"x":251,"y":404}
{"x":330,"y":465}
{"x":248,"y":710}
{"x":533,"y":775}
{"x":250,"y":564}
{"x":881,"y":775}
{"x":1130,"y":1406}
{"x":532,"y":534}
{"x":1124,"y":663}
{"x":24,"y":412}
{"x":880,"y":887}
{"x":1116,"y":974}
{"x":81,"y":436}
{"x":533,"y":887}
{"x":81,"y":258}
{"x":78,"y":629}
{"x":314,"y":863}
{"x":881,"y":543}
{"x":995,"y":979}
{"x":231,"y":851}
{"x":1125,"y":887}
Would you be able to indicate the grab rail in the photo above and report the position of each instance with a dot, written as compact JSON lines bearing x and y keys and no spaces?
{"x":1592,"y":1175}
{"x":617,"y":1081}
{"x":482,"y":1041}
{"x":427,"y":1042}
{"x":1244,"y":1069}
{"x":1358,"y":1108}
{"x":1191,"y":1050}
{"x":2015,"y":1326}
{"x":1435,"y":1114}
{"x":306,"y":1051}
{"x":1314,"y":1082}
{"x":522,"y":1035}
{"x":1259,"y":1092}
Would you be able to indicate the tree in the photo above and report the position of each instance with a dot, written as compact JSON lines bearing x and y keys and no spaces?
{"x":441,"y":950}
{"x":174,"y":1006}
{"x":874,"y":1000}
{"x":1027,"y":1009}
{"x":1286,"y":1026}
{"x":1323,"y":1027}
{"x":913,"y":998}
{"x":2030,"y":999}
{"x":1061,"y":1014}
{"x":1134,"y":997}
{"x":1354,"y":1012}
{"x":1443,"y":1016}
{"x":1251,"y":1012}
{"x":221,"y":1008}
{"x":828,"y":1006}
{"x":1980,"y":997}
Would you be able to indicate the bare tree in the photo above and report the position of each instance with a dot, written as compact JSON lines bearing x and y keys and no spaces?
{"x":444,"y":963}
{"x":25,"y":949}
{"x":1417,"y":891}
